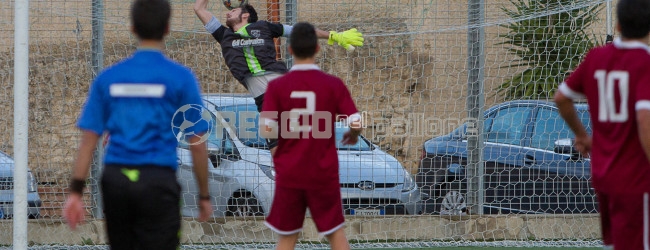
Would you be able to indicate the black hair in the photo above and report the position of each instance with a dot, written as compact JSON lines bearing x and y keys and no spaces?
{"x":150,"y":18}
{"x":247,"y":8}
{"x":633,"y":18}
{"x":303,"y":40}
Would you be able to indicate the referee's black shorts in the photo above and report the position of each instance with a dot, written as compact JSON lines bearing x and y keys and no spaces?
{"x":141,"y":206}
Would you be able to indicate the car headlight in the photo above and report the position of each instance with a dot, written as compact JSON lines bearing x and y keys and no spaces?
{"x":31,"y":182}
{"x":268,"y":171}
{"x":409,"y":183}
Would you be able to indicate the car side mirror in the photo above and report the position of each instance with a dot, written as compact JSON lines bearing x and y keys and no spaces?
{"x":566,"y":146}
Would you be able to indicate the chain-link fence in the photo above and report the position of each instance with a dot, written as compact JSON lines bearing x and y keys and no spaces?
{"x":428,"y":69}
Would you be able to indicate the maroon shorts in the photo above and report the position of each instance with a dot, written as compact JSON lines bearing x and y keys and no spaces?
{"x":287,"y":213}
{"x":629,"y":218}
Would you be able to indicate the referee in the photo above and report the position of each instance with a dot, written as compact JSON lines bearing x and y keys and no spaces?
{"x":134,"y":101}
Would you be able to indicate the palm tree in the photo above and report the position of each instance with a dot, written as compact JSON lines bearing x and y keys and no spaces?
{"x":547,"y":45}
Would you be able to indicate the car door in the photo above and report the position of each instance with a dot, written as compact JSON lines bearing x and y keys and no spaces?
{"x":505,"y":131}
{"x":223,"y":156}
{"x":561,"y":182}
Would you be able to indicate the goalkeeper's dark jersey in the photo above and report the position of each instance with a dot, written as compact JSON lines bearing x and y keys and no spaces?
{"x":251,"y":50}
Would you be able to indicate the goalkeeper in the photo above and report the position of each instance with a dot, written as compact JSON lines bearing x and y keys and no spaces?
{"x":249,"y":50}
{"x":248,"y":47}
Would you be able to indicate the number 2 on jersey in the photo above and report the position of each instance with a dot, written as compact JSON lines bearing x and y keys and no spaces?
{"x":608,"y":82}
{"x":310,"y":109}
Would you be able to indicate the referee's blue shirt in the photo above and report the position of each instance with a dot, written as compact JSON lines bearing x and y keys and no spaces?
{"x":134,"y":101}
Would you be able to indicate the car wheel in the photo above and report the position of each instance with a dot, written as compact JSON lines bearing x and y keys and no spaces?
{"x":453,"y":204}
{"x":244,"y":205}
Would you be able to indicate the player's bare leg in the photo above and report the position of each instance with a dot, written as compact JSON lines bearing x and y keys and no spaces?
{"x":338,"y":241}
{"x":287,"y":242}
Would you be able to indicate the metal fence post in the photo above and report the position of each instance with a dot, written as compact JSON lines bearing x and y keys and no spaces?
{"x":475,"y":103}
{"x":97,"y":60}
{"x":291,"y":15}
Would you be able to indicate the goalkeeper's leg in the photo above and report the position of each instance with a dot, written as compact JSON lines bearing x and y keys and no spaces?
{"x":270,"y":143}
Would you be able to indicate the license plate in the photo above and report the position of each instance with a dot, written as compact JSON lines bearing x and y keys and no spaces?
{"x":367,"y":212}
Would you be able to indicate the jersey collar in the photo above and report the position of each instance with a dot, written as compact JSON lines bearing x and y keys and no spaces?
{"x":242,"y":31}
{"x":304,"y":67}
{"x":150,"y":49}
{"x":620,"y":44}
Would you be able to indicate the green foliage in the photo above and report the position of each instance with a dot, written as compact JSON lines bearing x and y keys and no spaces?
{"x":547,"y":46}
{"x":87,"y":241}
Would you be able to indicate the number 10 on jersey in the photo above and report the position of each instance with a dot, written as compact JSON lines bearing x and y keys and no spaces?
{"x":608,"y":83}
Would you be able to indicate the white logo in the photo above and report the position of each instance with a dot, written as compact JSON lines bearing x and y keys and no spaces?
{"x":237,"y":43}
{"x":255,"y":33}
{"x":189,"y":119}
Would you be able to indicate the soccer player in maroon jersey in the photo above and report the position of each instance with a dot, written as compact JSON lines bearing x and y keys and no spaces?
{"x":615,"y":80}
{"x":301,"y":106}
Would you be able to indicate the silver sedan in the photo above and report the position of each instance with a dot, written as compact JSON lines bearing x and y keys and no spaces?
{"x":241,"y":178}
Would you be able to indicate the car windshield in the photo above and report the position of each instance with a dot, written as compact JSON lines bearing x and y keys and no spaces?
{"x":245,"y":120}
{"x":583,"y":115}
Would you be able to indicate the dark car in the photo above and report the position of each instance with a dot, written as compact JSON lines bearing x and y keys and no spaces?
{"x":530,"y":165}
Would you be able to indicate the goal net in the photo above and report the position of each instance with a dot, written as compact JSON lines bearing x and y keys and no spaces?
{"x":412,"y":80}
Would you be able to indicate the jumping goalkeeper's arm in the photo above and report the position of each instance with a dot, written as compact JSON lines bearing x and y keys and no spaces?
{"x":348,"y":39}
{"x":202,"y":12}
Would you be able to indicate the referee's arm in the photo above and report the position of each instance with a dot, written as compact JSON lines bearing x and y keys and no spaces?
{"x":74,"y":211}
{"x":200,"y":162}
{"x":85,"y":154}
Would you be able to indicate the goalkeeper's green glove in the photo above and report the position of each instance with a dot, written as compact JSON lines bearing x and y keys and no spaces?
{"x":347,"y":39}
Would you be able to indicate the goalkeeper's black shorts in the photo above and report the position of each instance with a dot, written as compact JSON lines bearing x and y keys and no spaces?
{"x":142,"y":210}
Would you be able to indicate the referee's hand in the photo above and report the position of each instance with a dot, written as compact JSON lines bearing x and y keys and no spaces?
{"x":74,"y":212}
{"x":205,"y":210}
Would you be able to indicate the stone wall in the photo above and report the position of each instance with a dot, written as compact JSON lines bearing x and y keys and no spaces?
{"x":411,"y":69}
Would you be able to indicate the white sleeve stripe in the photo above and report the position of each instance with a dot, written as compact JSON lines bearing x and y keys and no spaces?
{"x":568,"y":92}
{"x":213,"y":25}
{"x":642,"y":105}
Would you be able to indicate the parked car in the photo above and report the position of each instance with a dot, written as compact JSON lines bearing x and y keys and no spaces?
{"x":7,"y":190}
{"x":529,"y":161}
{"x":242,"y":175}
